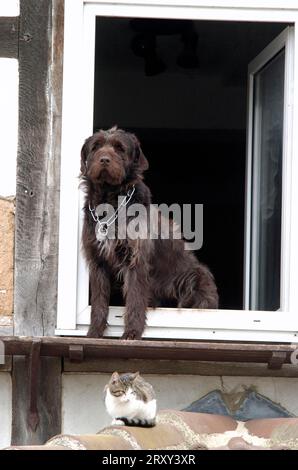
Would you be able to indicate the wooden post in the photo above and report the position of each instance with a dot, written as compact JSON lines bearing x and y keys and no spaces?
{"x":9,"y":30}
{"x":37,"y":209}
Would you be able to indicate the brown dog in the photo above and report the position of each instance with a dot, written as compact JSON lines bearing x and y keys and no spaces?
{"x":152,"y":270}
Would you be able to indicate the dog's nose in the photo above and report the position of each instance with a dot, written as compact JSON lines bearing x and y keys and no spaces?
{"x":105,"y":160}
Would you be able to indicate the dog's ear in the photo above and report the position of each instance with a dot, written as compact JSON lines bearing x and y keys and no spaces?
{"x":84,"y":155}
{"x":143,"y":162}
{"x":140,"y":159}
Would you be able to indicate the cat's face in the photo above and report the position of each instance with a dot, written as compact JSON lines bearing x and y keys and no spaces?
{"x":119,"y":384}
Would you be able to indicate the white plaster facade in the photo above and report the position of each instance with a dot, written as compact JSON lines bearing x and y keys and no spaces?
{"x":9,"y":80}
{"x":5,"y":409}
{"x":83,"y":410}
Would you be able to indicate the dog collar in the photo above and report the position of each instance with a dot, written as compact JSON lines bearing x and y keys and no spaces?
{"x":102,"y":228}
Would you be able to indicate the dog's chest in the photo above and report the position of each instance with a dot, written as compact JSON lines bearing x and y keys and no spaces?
{"x":116,"y":253}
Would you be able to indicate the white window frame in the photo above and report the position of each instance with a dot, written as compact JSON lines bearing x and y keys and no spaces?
{"x":77,"y":123}
{"x":284,"y":40}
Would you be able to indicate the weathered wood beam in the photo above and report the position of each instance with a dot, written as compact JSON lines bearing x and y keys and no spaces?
{"x":48,"y":401}
{"x":37,"y":208}
{"x":146,"y":349}
{"x":9,"y":37}
{"x":277,"y":359}
{"x":178,"y":367}
{"x":37,"y":198}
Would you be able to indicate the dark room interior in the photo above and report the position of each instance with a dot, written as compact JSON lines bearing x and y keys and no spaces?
{"x":181,"y":87}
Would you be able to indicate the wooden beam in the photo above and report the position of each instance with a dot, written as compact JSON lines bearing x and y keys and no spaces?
{"x":34,"y":364}
{"x":146,"y":349}
{"x":277,"y":360}
{"x":37,"y":198}
{"x":37,"y":209}
{"x":48,"y":401}
{"x":9,"y":37}
{"x":76,"y":352}
{"x":177,"y":367}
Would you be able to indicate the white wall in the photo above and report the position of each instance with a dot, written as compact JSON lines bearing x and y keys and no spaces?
{"x":8,"y":125}
{"x":9,"y":7}
{"x":83,"y":409}
{"x":8,"y":152}
{"x":5,"y":409}
{"x":9,"y":77}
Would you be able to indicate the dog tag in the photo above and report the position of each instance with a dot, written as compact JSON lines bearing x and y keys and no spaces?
{"x":101,"y":231}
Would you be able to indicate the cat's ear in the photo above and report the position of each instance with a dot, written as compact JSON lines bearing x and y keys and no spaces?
{"x":135,"y":375}
{"x":115,"y":376}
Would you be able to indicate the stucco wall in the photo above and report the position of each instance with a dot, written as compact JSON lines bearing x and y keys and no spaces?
{"x":7,"y":210}
{"x":83,"y":409}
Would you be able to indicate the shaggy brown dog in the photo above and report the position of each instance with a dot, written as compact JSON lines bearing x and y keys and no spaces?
{"x":112,"y":164}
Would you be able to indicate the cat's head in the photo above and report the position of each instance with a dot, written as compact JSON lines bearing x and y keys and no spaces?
{"x":120,"y":383}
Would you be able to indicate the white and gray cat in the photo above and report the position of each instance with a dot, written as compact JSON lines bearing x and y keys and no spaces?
{"x":130,"y":400}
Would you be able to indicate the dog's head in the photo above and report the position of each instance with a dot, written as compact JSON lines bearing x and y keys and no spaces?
{"x":113,"y":156}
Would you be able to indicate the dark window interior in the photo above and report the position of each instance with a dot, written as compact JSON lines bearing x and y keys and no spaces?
{"x":181,"y":86}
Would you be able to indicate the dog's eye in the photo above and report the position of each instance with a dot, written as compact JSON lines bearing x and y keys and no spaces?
{"x":95,"y":146}
{"x":119,"y":147}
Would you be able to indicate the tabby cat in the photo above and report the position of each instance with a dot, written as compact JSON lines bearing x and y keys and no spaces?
{"x":130,"y":400}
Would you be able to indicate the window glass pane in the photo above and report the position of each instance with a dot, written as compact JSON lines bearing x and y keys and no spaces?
{"x":267,"y":184}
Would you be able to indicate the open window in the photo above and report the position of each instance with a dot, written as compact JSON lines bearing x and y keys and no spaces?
{"x":211,"y":102}
{"x":265,"y":167}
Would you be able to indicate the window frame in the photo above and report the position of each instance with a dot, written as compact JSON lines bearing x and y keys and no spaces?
{"x":285,"y":41}
{"x":77,"y":122}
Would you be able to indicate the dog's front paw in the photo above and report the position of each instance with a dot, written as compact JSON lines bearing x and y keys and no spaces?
{"x":208,"y":302}
{"x":131,"y":334}
{"x":117,"y":422}
{"x":94,"y":332}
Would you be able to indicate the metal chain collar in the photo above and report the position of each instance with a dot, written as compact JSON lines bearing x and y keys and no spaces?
{"x":103,"y":227}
